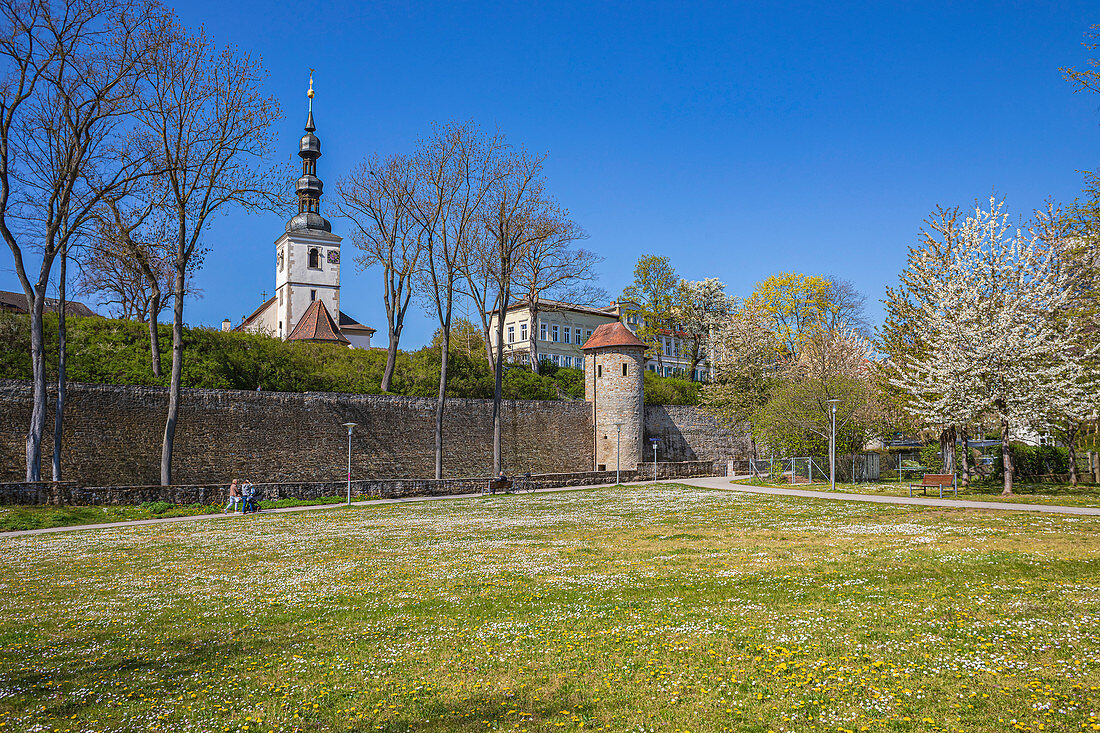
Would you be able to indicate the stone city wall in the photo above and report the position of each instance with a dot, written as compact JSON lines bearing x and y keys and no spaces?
{"x":113,"y":436}
{"x":70,"y":494}
{"x":688,"y":433}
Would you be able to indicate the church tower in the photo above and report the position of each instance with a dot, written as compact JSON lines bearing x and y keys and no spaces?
{"x":307,"y":255}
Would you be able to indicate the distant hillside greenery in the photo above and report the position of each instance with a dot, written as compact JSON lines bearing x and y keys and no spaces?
{"x":108,"y":351}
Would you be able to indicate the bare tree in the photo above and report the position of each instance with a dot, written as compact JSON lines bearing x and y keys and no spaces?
{"x":518,"y":214}
{"x":70,"y":75}
{"x":377,"y":196}
{"x":129,"y":257}
{"x":451,"y":176}
{"x":552,"y":268}
{"x":210,"y":126}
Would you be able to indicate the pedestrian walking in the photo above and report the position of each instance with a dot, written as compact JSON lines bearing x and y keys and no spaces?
{"x":248,"y":491}
{"x":234,"y":497}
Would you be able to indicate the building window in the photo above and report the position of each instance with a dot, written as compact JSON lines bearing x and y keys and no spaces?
{"x":523,"y":332}
{"x":511,"y":334}
{"x":580,"y":362}
{"x":312,"y":295}
{"x":588,"y":333}
{"x":668,"y":346}
{"x":542,"y":331}
{"x":280,"y":328}
{"x":554,"y":332}
{"x":566,"y":334}
{"x":599,"y":370}
{"x":577,"y":333}
{"x":624,"y":368}
{"x":567,"y":361}
{"x":556,"y":359}
{"x":315,"y":258}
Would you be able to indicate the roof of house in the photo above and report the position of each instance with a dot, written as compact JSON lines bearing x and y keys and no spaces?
{"x":17,"y":302}
{"x":317,"y":325}
{"x":347,"y":323}
{"x":613,"y":334}
{"x":611,"y":311}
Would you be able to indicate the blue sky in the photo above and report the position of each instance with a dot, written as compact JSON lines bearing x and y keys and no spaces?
{"x":738,"y":139}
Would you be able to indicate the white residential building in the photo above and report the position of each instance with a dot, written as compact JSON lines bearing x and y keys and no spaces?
{"x":676,"y":352}
{"x":555,"y":331}
{"x":559,"y":330}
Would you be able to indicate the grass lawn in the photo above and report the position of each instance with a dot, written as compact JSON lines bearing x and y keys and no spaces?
{"x":1024,"y":493}
{"x":20,"y":517}
{"x":627,"y":609}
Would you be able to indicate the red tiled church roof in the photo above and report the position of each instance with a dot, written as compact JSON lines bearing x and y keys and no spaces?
{"x":317,"y":325}
{"x":613,"y":334}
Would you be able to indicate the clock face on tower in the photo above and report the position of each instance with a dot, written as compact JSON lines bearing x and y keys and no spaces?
{"x":334,"y":257}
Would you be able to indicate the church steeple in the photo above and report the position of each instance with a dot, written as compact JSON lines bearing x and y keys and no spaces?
{"x":309,"y":187}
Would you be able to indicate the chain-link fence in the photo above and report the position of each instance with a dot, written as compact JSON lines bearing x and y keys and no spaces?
{"x":850,"y":468}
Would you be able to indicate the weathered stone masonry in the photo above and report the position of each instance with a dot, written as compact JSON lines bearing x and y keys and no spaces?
{"x":113,"y":435}
{"x":691,"y":434}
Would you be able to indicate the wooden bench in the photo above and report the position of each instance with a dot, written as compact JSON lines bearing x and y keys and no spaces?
{"x":496,"y":485}
{"x":934,"y":480}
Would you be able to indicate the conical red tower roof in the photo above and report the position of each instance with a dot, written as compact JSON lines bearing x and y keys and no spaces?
{"x":613,"y":334}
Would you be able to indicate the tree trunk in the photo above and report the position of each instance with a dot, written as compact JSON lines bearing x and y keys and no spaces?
{"x":498,"y":392}
{"x":1006,"y":458}
{"x":392,"y":330}
{"x":38,"y":374}
{"x":966,"y":456}
{"x":59,"y":406}
{"x":391,"y":360}
{"x":533,"y":350}
{"x":947,"y":448}
{"x":154,"y":334}
{"x":1071,"y":445}
{"x":174,"y":383}
{"x":441,"y":401}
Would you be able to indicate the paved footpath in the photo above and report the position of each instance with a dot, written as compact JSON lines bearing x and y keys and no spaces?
{"x":287,"y":510}
{"x":719,"y":482}
{"x":723,"y":483}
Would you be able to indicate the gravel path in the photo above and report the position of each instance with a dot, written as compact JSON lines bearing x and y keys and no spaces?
{"x":721,"y":482}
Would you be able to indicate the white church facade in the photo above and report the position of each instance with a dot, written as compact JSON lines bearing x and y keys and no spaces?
{"x":306,"y":304}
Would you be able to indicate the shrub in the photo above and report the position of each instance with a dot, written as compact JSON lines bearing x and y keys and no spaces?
{"x":116,"y":351}
{"x":1034,"y":460}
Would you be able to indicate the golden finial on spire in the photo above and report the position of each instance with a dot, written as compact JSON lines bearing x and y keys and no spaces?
{"x":310,"y":92}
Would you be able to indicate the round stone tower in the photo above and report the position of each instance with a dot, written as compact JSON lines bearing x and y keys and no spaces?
{"x":614,"y":364}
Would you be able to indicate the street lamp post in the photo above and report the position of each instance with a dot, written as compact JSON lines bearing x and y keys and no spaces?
{"x":654,"y":442}
{"x":350,"y":426}
{"x":618,"y":442}
{"x":832,"y":443}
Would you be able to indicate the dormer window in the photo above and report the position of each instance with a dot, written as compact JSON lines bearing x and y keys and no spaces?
{"x":315,"y":258}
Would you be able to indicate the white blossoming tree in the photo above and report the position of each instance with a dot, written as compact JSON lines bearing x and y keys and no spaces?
{"x":701,"y":307}
{"x":985,"y":316}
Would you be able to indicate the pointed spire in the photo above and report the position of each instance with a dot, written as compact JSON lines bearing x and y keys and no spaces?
{"x":309,"y":186}
{"x":310,"y":127}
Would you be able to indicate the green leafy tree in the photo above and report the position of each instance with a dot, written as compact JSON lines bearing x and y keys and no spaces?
{"x":652,"y":297}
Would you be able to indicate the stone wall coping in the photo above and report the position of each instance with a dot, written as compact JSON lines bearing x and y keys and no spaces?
{"x":252,"y":395}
